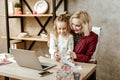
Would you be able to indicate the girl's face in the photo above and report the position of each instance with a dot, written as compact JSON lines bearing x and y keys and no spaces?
{"x":62,"y":28}
{"x":77,"y":27}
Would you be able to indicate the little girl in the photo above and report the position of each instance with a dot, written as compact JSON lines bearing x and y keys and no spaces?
{"x":61,"y":41}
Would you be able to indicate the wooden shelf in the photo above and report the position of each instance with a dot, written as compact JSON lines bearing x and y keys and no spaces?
{"x":31,"y":38}
{"x":37,"y":15}
{"x":31,"y":15}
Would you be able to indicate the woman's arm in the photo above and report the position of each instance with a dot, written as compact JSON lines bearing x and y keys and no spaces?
{"x":85,"y":57}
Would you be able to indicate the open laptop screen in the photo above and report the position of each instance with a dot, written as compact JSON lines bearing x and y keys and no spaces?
{"x":27,"y":58}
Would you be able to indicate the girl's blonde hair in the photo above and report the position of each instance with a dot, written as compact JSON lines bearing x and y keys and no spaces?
{"x":85,"y":21}
{"x":60,"y":18}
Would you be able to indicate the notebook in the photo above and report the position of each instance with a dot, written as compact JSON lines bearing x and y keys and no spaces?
{"x":27,"y":58}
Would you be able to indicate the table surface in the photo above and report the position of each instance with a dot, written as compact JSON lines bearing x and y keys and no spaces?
{"x":15,"y":71}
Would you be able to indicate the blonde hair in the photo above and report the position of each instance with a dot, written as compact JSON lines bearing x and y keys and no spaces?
{"x":85,"y":21}
{"x":60,"y":18}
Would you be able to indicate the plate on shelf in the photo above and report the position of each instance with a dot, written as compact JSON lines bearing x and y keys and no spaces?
{"x":41,"y":7}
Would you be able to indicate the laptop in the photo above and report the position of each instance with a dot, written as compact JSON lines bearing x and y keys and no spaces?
{"x":27,"y":58}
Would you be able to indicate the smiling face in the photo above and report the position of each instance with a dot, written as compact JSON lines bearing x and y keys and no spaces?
{"x":61,"y":28}
{"x":77,"y":27}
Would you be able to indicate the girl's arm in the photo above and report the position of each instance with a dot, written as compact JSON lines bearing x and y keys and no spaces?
{"x":52,"y":46}
{"x":70,"y":44}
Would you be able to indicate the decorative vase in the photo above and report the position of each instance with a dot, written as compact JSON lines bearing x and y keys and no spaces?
{"x":17,"y":10}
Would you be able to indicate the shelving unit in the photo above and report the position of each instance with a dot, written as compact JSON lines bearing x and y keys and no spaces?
{"x":30,"y":38}
{"x":21,"y":17}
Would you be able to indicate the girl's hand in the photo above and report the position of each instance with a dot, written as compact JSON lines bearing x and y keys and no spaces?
{"x":75,"y":63}
{"x":57,"y":57}
{"x":73,"y":55}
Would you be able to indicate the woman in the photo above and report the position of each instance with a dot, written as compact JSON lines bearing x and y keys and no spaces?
{"x":85,"y":40}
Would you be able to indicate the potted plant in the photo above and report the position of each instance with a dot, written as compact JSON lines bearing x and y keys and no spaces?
{"x":17,"y":7}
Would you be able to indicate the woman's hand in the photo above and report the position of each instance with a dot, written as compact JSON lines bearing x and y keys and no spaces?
{"x":73,"y":55}
{"x":57,"y":57}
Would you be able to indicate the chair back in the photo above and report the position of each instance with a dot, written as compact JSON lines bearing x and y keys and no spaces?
{"x":97,"y":31}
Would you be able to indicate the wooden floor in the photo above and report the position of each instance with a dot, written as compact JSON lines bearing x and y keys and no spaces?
{"x":2,"y":78}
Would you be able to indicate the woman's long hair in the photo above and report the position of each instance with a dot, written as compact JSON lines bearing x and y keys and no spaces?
{"x":85,"y":21}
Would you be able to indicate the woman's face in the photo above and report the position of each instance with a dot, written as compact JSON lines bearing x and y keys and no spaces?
{"x":77,"y":27}
{"x":61,"y":28}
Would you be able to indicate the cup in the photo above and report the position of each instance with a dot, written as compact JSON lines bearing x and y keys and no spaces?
{"x":76,"y":75}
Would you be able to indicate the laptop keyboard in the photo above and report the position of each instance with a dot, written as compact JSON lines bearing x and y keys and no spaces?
{"x":44,"y":66}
